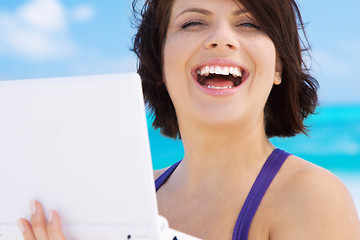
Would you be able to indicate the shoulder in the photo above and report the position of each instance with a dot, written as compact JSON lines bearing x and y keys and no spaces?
{"x":309,"y":182}
{"x":314,"y":202}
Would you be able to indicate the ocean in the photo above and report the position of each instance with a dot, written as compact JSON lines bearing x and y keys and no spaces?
{"x":333,"y":143}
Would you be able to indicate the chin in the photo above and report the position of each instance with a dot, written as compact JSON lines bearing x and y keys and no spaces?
{"x":221,"y":116}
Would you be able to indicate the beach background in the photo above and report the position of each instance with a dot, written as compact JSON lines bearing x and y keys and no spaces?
{"x":333,"y":143}
{"x":51,"y":38}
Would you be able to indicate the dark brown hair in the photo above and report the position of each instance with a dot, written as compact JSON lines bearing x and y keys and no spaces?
{"x":288,"y":104}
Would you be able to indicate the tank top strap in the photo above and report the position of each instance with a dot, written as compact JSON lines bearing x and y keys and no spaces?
{"x":165,"y":176}
{"x":257,"y":192}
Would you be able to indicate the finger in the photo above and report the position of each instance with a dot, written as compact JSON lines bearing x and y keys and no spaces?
{"x":54,"y":227}
{"x":38,"y":221}
{"x":26,"y":229}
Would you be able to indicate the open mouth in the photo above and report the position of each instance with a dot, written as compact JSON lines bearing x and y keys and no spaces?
{"x":218,"y":77}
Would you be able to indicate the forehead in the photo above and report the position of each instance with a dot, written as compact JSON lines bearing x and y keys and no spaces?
{"x":210,"y":5}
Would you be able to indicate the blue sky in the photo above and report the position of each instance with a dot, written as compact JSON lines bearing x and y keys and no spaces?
{"x":48,"y":38}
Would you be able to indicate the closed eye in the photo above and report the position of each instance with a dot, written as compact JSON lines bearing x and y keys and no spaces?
{"x":191,"y":24}
{"x":249,"y":25}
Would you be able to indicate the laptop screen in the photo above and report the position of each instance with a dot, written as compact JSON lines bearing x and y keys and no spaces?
{"x":78,"y":145}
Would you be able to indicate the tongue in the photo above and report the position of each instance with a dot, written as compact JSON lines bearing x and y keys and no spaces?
{"x":219,"y":82}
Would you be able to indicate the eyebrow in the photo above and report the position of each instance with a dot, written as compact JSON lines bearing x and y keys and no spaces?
{"x":195,"y":10}
{"x":207,"y":13}
{"x":240,"y":12}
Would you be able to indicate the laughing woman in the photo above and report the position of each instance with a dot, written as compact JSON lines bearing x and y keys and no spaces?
{"x":225,"y":76}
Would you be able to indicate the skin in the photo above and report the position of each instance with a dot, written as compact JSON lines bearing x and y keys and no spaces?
{"x":40,"y":228}
{"x":225,"y":142}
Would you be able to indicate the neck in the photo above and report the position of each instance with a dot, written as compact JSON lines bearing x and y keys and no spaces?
{"x":211,"y":153}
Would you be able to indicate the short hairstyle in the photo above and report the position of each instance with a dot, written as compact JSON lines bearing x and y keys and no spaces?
{"x":288,"y":104}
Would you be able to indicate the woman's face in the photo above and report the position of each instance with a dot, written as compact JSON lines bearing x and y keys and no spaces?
{"x":219,"y":67}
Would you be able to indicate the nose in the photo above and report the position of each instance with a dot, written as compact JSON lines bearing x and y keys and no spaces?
{"x":222,"y":36}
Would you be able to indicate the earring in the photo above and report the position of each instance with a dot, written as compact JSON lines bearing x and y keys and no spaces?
{"x":278,"y":79}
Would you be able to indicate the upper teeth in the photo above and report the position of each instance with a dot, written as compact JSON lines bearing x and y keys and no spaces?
{"x":206,"y":70}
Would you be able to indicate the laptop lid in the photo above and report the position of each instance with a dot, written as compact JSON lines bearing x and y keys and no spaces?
{"x":80,"y":146}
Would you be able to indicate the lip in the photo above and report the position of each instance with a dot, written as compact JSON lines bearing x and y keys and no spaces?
{"x":222,"y":63}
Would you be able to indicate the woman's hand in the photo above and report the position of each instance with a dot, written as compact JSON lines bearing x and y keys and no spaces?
{"x":38,"y":228}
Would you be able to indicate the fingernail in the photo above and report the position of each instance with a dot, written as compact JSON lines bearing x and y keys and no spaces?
{"x":51,"y":215}
{"x":32,"y":207}
{"x":21,"y":225}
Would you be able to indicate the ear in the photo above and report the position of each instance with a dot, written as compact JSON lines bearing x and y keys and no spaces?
{"x":277,"y":78}
{"x":278,"y":71}
{"x":163,"y":80}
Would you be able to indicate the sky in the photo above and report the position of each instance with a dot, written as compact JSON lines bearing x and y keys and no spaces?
{"x":52,"y":38}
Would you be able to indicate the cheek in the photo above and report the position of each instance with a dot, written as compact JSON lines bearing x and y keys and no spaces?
{"x":170,"y":53}
{"x":176,"y":54}
{"x":168,"y":61}
{"x":172,"y":69}
{"x":263,"y":54}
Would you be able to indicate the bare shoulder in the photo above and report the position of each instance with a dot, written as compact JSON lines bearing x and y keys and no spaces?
{"x":314,"y":203}
{"x":307,"y":178}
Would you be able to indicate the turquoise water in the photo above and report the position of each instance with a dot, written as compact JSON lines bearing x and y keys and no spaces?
{"x":333,"y":142}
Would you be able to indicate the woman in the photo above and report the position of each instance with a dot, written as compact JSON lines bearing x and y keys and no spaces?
{"x":225,"y":76}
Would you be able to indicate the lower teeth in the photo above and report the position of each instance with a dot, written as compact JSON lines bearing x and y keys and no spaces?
{"x":213,"y":87}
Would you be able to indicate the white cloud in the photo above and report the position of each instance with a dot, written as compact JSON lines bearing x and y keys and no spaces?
{"x":338,"y":75}
{"x":352,"y":49}
{"x":95,"y":64}
{"x":83,"y":13}
{"x":47,"y":15}
{"x":36,"y":30}
{"x":329,"y":64}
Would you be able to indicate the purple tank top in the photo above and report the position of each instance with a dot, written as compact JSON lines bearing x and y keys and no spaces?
{"x":268,"y":172}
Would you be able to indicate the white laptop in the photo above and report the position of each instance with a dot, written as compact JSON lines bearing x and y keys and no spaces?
{"x":80,"y":146}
